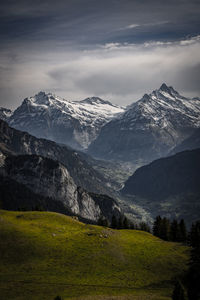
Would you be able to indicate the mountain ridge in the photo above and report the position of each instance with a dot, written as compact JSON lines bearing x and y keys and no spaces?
{"x":149,"y":128}
{"x":50,"y":179}
{"x":168,"y":186}
{"x":15,"y":142}
{"x":74,"y":123}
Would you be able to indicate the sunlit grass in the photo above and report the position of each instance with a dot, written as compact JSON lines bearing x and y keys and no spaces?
{"x":48,"y":254}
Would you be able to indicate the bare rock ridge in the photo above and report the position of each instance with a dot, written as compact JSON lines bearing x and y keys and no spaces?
{"x":51,"y":179}
{"x":46,"y":177}
{"x":17,"y":142}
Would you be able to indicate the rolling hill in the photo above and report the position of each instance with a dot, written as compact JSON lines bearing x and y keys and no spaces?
{"x":48,"y":254}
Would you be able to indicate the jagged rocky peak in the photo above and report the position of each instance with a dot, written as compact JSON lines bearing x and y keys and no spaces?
{"x":165,"y":88}
{"x":146,"y":98}
{"x":95,"y":100}
{"x":165,"y":93}
{"x":43,"y":98}
{"x":168,"y":90}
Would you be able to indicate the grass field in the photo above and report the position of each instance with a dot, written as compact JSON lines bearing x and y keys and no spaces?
{"x":44,"y":254}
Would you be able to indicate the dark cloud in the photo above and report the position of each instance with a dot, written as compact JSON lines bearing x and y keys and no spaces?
{"x":59,"y":46}
{"x":92,"y":21}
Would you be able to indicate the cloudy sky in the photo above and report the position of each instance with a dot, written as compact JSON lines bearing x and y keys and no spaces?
{"x":115,"y":49}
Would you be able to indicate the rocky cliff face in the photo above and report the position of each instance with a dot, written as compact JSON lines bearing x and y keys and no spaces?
{"x":16,"y":142}
{"x":74,"y":123}
{"x":149,"y":128}
{"x":51,"y":179}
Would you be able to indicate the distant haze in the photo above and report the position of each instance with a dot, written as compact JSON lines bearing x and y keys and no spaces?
{"x":117,"y":50}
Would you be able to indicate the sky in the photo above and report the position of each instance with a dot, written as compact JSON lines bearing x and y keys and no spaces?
{"x":115,"y":49}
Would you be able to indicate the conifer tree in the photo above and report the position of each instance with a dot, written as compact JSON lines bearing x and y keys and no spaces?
{"x":193,"y":276}
{"x":144,"y":227}
{"x":120,"y":223}
{"x":132,"y":225}
{"x":157,"y":226}
{"x":174,"y":231}
{"x":194,"y":235}
{"x":178,"y":293}
{"x":183,"y":231}
{"x":114,"y":223}
{"x":125,"y":223}
{"x":165,"y":229}
{"x":58,"y":298}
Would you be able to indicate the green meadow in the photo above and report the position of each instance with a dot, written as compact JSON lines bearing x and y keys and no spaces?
{"x":45,"y":254}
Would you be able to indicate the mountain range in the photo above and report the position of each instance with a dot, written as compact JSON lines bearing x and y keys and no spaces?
{"x":149,"y":128}
{"x":143,"y":131}
{"x":74,"y":123}
{"x":119,"y":140}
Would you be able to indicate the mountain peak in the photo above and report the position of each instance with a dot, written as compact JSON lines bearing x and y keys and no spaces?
{"x":95,"y":100}
{"x":169,"y":90}
{"x":165,"y":88}
{"x":41,"y":98}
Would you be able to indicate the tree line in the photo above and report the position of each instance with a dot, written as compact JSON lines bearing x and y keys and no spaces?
{"x":122,"y":222}
{"x":170,"y":230}
{"x":189,"y":287}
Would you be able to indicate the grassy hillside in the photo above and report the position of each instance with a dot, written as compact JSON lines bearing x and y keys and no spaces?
{"x":48,"y":254}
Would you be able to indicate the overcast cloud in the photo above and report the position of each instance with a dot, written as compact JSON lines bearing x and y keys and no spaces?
{"x":117,"y":49}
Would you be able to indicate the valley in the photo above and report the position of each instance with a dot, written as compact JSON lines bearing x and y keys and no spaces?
{"x":61,"y":191}
{"x":99,"y":150}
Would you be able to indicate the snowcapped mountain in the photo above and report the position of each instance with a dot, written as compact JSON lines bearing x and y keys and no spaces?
{"x":5,"y":113}
{"x":149,"y":128}
{"x":145,"y":130}
{"x":75,"y":123}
